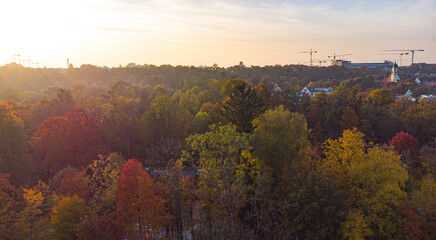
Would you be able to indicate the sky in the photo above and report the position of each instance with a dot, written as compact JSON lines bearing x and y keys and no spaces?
{"x":196,"y":32}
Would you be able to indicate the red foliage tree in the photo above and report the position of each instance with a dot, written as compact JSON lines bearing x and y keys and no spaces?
{"x":408,"y":147}
{"x":73,"y":184}
{"x":411,"y":221}
{"x":139,"y":210}
{"x":349,"y":118}
{"x":69,"y":140}
{"x":105,"y":228}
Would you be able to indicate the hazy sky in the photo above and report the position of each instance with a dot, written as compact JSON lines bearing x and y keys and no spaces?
{"x":197,"y":32}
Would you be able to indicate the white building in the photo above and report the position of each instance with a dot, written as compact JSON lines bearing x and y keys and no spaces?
{"x":277,"y":89}
{"x":312,"y":91}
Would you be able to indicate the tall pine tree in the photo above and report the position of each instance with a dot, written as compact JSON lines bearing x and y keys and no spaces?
{"x":242,"y":104}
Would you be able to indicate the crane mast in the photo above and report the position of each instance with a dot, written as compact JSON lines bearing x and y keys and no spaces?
{"x":310,"y":53}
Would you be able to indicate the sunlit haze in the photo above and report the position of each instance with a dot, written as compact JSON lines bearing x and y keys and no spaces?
{"x":194,"y":32}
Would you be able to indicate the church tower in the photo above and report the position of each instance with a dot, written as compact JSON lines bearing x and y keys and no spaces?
{"x":393,"y":78}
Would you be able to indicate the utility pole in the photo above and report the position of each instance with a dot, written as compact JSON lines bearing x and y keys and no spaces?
{"x":310,"y":52}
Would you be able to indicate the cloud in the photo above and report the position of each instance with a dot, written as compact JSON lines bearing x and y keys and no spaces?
{"x":192,"y":31}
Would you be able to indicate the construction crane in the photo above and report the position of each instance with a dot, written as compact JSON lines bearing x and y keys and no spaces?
{"x":320,"y":61}
{"x":310,"y":52}
{"x":36,"y":64}
{"x":27,"y":60}
{"x":337,"y":56}
{"x":17,"y":55}
{"x":407,"y":50}
{"x":341,"y":55}
{"x":401,"y":55}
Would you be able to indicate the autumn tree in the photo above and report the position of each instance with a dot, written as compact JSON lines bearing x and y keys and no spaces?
{"x":102,"y":176}
{"x":31,"y":222}
{"x":227,"y":169}
{"x":139,"y":210}
{"x":66,"y":218}
{"x":242,"y":104}
{"x":411,"y":221}
{"x":408,"y":147}
{"x":214,"y":111}
{"x":381,"y":97}
{"x":8,"y":207}
{"x":73,"y":139}
{"x":13,"y":144}
{"x":74,"y":184}
{"x":373,"y":181}
{"x":280,"y":138}
{"x":349,"y":118}
{"x":104,"y":228}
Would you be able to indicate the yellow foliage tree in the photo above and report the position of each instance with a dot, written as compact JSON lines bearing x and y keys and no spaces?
{"x":66,"y":217}
{"x":31,"y":224}
{"x":373,"y":179}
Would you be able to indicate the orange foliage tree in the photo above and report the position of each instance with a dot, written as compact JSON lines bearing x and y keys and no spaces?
{"x":139,"y":210}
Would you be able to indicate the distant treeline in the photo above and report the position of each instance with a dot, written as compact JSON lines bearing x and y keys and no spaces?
{"x":212,"y":153}
{"x":28,"y":85}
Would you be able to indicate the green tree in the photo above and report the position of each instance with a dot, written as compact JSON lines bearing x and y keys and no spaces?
{"x":420,"y":120}
{"x":424,"y":198}
{"x":120,"y":125}
{"x":280,"y":138}
{"x":311,"y":206}
{"x":227,"y":168}
{"x":13,"y":144}
{"x":420,"y":91}
{"x":201,"y":122}
{"x":242,"y":104}
{"x":162,"y":130}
